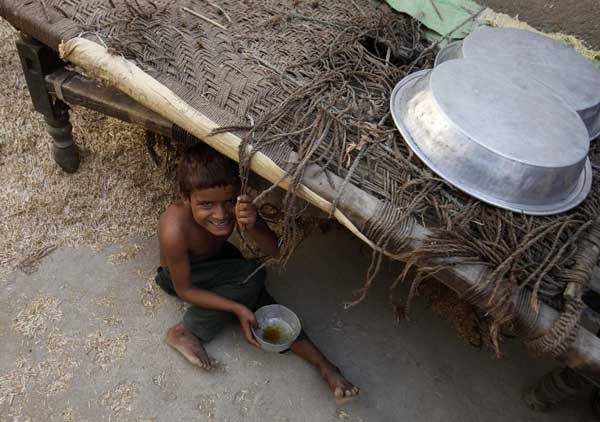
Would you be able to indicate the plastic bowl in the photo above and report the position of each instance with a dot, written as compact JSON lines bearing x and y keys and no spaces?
{"x":278,"y":328}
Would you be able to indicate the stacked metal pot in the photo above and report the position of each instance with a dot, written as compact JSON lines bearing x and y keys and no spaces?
{"x":506,"y":116}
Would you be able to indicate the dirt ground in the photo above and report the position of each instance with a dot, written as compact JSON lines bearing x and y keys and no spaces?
{"x":81,"y":340}
{"x":576,"y":17}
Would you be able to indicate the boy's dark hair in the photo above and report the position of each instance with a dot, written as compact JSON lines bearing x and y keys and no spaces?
{"x":201,"y":167}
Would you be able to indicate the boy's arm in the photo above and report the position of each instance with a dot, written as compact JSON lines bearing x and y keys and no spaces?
{"x":175,"y":251}
{"x":246,"y":216}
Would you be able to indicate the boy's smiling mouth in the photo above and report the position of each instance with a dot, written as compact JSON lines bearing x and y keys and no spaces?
{"x":222,"y":224}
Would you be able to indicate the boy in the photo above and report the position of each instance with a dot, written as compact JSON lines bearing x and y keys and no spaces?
{"x":202,"y":268}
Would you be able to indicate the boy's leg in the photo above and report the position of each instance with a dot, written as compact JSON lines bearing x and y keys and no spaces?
{"x":201,"y":325}
{"x":222,"y":275}
{"x":180,"y":337}
{"x":342,"y":389}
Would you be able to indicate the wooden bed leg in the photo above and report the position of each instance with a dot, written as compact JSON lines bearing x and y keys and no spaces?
{"x":38,"y":61}
{"x":64,"y":149}
{"x":554,"y":388}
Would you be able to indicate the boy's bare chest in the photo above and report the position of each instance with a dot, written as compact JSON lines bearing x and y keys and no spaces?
{"x":202,"y":245}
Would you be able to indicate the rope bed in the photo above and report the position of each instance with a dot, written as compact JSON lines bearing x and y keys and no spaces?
{"x":312,"y":79}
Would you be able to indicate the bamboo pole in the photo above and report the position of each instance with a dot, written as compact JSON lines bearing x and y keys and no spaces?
{"x":584,"y":354}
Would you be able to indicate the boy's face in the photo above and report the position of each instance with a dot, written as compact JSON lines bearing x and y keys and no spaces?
{"x":214,"y":208}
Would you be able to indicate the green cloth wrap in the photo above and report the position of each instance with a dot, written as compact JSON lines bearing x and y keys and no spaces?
{"x":227,"y":278}
{"x":228,"y":275}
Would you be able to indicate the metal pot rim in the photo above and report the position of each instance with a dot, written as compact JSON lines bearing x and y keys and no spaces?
{"x":575,"y":197}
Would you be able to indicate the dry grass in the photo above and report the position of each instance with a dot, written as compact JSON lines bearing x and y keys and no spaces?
{"x":506,"y":21}
{"x":117,"y":192}
{"x":119,"y":400}
{"x":12,"y":384}
{"x":58,"y":372}
{"x":106,"y":350}
{"x":207,"y":407}
{"x":48,"y":372}
{"x":127,"y":253}
{"x":58,"y":343}
{"x":152,"y":296}
{"x":37,"y":316}
{"x":107,"y":300}
{"x":66,"y":415}
{"x":463,"y":317}
{"x":113,"y":321}
{"x":49,"y":377}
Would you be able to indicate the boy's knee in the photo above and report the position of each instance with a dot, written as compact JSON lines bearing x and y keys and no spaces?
{"x":258,"y":278}
{"x":205,"y":323}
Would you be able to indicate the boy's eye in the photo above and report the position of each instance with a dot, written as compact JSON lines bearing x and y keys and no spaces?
{"x":205,"y":204}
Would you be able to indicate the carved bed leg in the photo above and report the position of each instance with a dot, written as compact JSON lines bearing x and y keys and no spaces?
{"x":38,"y":60}
{"x":554,"y":388}
{"x":64,"y":149}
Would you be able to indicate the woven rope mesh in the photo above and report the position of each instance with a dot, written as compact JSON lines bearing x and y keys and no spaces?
{"x":315,"y":77}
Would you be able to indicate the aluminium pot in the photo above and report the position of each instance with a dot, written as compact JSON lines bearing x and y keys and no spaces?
{"x":495,"y":135}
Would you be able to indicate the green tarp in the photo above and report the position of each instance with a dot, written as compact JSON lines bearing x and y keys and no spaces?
{"x":440,"y":16}
{"x":443,"y":16}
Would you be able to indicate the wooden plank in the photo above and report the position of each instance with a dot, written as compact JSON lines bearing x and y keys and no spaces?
{"x":358,"y":206}
{"x":78,"y":90}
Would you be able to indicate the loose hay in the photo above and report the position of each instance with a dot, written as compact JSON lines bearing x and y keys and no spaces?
{"x":113,"y":321}
{"x":207,"y":407}
{"x":106,"y":351}
{"x":67,"y":415}
{"x":117,"y":192}
{"x":13,"y":386}
{"x":463,"y":317}
{"x":60,"y":373}
{"x":106,"y":300}
{"x":29,"y":264}
{"x":342,"y":415}
{"x":53,"y":372}
{"x":119,"y":400}
{"x":506,"y":21}
{"x":127,"y":253}
{"x":58,"y":343}
{"x":37,"y":316}
{"x":152,"y":297}
{"x":49,"y":377}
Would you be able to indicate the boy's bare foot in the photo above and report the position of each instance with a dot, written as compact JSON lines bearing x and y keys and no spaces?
{"x":342,"y":389}
{"x":189,"y":346}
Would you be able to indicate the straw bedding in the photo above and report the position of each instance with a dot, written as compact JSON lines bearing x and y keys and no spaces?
{"x":118,"y":192}
{"x":315,"y":77}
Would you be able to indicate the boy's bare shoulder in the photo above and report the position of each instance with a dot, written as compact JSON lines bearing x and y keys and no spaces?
{"x":173,"y":224}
